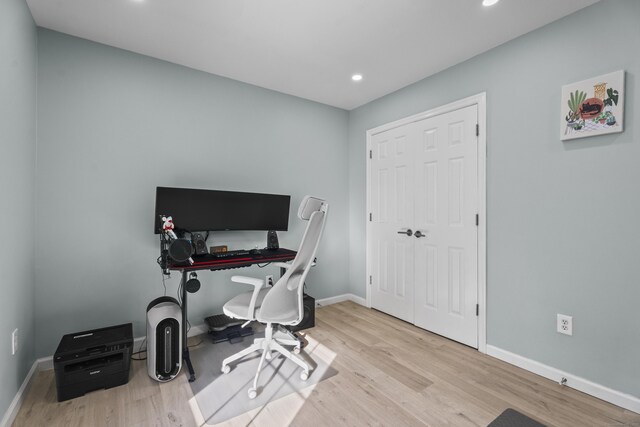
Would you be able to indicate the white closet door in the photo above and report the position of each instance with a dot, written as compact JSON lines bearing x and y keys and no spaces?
{"x":446,"y":201}
{"x":392,"y":198}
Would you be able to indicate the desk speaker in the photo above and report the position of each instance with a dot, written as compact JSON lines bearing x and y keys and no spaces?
{"x":272,"y":240}
{"x":309,"y":317}
{"x":199,"y":244}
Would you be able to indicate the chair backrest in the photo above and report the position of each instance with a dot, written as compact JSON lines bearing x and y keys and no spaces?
{"x":283,"y":303}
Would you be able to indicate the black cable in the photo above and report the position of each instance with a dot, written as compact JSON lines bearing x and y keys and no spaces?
{"x":164,"y":283}
{"x":139,"y":358}
{"x":196,"y":344}
{"x":140,"y":351}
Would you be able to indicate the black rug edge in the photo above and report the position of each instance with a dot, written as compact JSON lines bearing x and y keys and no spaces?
{"x":512,"y":418}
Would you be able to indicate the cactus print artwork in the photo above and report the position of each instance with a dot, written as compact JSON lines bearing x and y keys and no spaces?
{"x":593,"y":107}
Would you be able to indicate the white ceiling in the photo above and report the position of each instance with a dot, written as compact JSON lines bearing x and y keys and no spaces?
{"x":306,"y":48}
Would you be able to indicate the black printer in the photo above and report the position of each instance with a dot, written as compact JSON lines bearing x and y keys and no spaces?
{"x":92,"y":360}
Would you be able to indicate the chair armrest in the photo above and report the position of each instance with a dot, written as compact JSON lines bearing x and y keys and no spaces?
{"x":281,"y":265}
{"x":248,"y":280}
{"x":257,"y":285}
{"x":287,"y":266}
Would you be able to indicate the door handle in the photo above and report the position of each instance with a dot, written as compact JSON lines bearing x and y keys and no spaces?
{"x":408,"y":232}
{"x":419,"y":234}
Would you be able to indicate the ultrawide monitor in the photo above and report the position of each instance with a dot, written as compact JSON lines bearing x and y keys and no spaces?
{"x":213,"y":210}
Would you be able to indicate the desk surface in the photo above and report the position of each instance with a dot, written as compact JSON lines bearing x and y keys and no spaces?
{"x":208,"y":262}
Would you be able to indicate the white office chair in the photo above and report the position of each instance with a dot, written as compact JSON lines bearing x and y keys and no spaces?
{"x":281,"y":304}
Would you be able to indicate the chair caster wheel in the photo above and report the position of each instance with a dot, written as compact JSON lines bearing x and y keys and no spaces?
{"x":226,"y":369}
{"x":296,"y":350}
{"x":304,"y":375}
{"x":252,"y":393}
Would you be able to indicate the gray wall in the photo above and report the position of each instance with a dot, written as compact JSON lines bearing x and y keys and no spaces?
{"x":562,"y":234}
{"x":563,"y":225}
{"x":113,"y":125}
{"x":17,"y":175}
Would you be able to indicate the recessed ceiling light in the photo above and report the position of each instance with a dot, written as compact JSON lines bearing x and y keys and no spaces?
{"x":489,"y":2}
{"x":356,"y":77}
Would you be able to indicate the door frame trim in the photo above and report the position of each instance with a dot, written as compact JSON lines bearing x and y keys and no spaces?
{"x":481,"y":101}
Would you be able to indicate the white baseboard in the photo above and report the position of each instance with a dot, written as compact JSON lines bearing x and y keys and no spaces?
{"x":341,"y":298}
{"x":623,"y":400}
{"x":45,"y":363}
{"x":198,"y":330}
{"x":16,"y":403}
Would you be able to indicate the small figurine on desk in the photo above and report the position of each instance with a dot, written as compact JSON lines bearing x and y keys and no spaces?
{"x":167,"y":227}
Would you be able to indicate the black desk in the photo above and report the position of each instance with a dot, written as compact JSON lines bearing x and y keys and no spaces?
{"x":208,"y":262}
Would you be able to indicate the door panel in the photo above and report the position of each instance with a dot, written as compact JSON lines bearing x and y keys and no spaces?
{"x":446,"y":194}
{"x":392,"y":202}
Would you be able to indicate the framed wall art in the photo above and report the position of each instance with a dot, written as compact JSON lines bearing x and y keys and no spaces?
{"x":593,"y":107}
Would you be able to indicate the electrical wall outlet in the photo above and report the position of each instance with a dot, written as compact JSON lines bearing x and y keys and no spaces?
{"x":268,"y":280}
{"x":14,"y":342}
{"x":565,"y":324}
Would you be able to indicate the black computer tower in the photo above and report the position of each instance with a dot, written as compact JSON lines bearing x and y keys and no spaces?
{"x":309,"y":317}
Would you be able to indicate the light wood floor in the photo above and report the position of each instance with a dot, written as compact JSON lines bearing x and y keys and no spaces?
{"x":389,"y":373}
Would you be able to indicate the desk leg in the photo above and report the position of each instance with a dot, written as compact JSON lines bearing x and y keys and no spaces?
{"x":185,"y":347}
